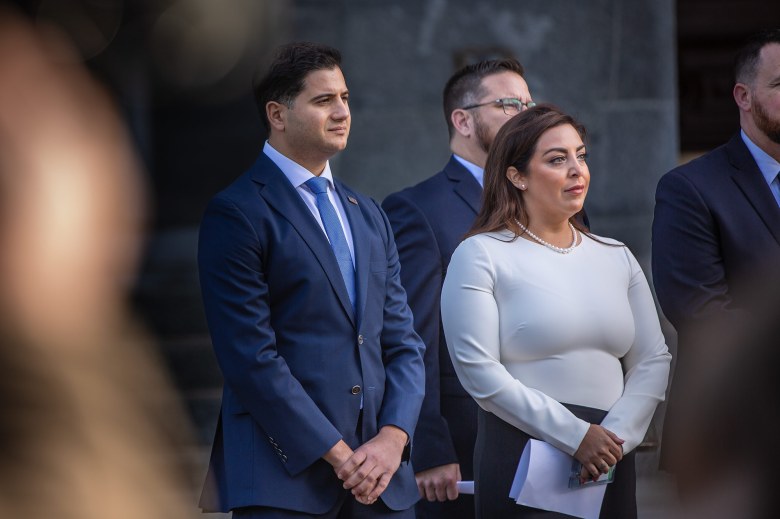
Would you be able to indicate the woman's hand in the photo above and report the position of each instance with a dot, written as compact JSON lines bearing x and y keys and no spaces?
{"x":599,"y":450}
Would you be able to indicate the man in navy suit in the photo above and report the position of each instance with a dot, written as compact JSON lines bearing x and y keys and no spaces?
{"x":429,"y":221}
{"x":300,"y":278}
{"x":717,"y":218}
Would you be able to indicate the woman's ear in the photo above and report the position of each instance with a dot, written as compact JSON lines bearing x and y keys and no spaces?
{"x":517,"y":178}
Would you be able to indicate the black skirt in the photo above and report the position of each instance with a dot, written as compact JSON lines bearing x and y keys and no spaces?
{"x":497,"y":453}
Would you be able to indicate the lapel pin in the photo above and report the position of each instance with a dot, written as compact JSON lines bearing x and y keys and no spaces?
{"x":352,"y":200}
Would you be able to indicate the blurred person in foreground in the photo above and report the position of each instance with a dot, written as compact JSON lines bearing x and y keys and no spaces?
{"x":551,"y":329}
{"x":717,"y":219}
{"x":323,"y":370}
{"x":90,"y":427}
{"x":725,"y":450}
{"x":429,"y":221}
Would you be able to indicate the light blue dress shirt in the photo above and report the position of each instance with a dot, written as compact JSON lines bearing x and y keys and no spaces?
{"x":298,"y":175}
{"x":769,"y":166}
{"x":479,"y":173}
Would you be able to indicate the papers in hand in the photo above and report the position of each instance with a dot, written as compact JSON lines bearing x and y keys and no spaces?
{"x":542,"y":481}
{"x":465,"y":487}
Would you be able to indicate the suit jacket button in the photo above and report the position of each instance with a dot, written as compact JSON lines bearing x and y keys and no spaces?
{"x":355,"y":390}
{"x":360,"y":340}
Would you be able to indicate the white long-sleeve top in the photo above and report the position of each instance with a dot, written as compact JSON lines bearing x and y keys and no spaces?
{"x":528,"y":328}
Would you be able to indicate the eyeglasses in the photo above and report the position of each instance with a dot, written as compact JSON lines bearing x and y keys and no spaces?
{"x":511,"y":105}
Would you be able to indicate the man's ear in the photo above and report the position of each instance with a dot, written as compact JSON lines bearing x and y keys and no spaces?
{"x":743,"y":96}
{"x":277,"y":115}
{"x":462,"y":122}
{"x":517,"y":178}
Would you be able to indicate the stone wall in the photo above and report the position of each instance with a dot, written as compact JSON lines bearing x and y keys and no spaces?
{"x":611,"y":63}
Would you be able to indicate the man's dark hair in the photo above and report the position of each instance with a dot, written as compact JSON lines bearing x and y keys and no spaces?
{"x":465,"y":85}
{"x":287,"y":72}
{"x":746,"y":62}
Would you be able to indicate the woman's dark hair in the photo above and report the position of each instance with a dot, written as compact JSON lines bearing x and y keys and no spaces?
{"x":287,"y":73}
{"x":514,"y":145}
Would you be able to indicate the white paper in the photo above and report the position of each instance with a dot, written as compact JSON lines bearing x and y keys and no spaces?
{"x":465,"y":487}
{"x":542,"y":481}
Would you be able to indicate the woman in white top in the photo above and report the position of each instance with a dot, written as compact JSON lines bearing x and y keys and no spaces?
{"x":552,"y":330}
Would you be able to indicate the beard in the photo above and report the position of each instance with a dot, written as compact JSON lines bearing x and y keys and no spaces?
{"x":768,"y":126}
{"x":481,"y":131}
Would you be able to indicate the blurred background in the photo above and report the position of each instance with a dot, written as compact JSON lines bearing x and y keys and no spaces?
{"x":650,"y":79}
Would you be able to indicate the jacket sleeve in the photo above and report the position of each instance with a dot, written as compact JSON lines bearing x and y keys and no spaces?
{"x":402,"y":349}
{"x":421,"y":276}
{"x":646,"y":365}
{"x":236,"y":301}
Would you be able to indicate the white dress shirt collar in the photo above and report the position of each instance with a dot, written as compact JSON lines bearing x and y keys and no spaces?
{"x":294,"y":172}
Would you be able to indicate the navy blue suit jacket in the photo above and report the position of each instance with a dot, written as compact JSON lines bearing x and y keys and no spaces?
{"x":296,"y":359}
{"x":429,"y":221}
{"x":716,"y":224}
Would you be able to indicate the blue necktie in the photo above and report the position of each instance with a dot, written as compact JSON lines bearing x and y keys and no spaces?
{"x":338,"y":242}
{"x":776,"y":189}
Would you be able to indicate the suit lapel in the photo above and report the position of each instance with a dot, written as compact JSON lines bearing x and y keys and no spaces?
{"x":753,"y":185}
{"x":282,"y":196}
{"x":464,"y":184}
{"x":360,"y":240}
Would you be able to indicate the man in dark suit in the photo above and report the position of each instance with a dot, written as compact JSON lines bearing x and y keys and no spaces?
{"x":717,"y":218}
{"x":300,"y":278}
{"x":429,"y":221}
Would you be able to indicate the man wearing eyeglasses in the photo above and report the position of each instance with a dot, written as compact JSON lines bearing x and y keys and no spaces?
{"x":429,"y":220}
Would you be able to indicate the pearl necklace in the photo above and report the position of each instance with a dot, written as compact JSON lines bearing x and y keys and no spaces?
{"x":559,"y":250}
